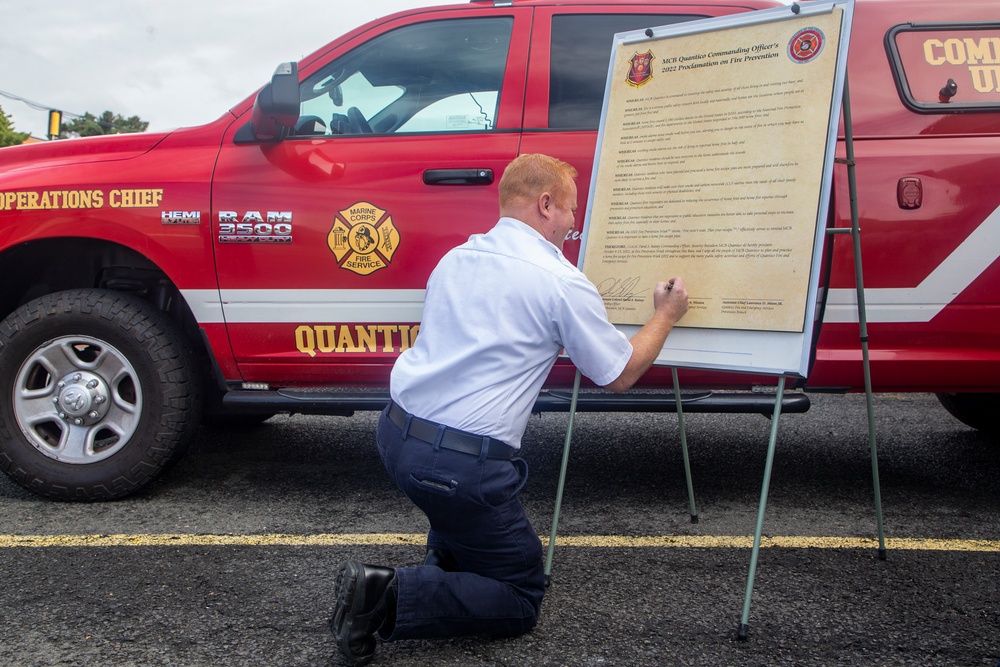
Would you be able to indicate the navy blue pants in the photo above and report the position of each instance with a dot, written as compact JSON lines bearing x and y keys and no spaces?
{"x":475,"y":515}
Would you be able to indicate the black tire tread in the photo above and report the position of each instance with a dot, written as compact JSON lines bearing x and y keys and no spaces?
{"x":136,"y":321}
{"x":981,"y":411}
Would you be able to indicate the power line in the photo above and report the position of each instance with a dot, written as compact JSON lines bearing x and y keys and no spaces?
{"x":38,"y":106}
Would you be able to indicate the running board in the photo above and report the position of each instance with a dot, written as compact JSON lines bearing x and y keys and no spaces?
{"x":326,"y":401}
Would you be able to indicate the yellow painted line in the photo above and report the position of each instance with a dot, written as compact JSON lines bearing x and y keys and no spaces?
{"x":588,"y":541}
{"x":169,"y":540}
{"x":787,"y":542}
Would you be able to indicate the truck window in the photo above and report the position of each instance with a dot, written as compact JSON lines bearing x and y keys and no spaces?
{"x":946,"y":68}
{"x":438,"y":76}
{"x":581,"y":54}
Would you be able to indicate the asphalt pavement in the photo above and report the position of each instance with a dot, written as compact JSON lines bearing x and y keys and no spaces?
{"x":230,"y":558}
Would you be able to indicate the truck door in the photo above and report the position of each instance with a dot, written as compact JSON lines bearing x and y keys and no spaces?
{"x":325,"y":240}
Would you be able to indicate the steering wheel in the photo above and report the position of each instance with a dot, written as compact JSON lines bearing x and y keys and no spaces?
{"x":358,"y":122}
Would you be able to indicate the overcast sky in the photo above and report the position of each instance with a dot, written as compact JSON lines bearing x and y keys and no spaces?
{"x":173,"y":63}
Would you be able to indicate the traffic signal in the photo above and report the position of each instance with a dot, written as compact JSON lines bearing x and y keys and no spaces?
{"x":55,"y":120}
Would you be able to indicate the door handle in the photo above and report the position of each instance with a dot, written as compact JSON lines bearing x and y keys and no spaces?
{"x":458,"y":176}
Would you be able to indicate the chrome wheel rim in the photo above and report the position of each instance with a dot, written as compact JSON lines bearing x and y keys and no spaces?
{"x":77,"y":399}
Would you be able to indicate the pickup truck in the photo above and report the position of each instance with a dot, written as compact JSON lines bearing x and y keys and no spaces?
{"x":274,"y":260}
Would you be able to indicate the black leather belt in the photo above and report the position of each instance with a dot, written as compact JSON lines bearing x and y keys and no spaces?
{"x":452,"y":438}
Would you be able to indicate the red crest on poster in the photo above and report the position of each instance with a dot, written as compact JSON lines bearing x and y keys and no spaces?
{"x":640,"y":69}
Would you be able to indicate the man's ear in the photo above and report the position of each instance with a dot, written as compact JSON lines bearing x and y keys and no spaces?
{"x":544,"y":203}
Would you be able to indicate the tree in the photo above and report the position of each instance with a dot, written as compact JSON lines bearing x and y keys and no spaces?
{"x":89,"y":125}
{"x":8,"y":137}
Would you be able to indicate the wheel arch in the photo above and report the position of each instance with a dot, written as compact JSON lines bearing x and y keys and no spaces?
{"x":45,"y":266}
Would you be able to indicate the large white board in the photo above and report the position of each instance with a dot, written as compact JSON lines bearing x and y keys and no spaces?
{"x":714,"y":162}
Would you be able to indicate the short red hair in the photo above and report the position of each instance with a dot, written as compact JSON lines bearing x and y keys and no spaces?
{"x":529,"y":175}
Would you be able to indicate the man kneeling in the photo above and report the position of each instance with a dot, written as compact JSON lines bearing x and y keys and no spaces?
{"x":498,"y":311}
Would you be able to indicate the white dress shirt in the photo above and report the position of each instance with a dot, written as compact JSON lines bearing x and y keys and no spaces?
{"x":499,"y":309}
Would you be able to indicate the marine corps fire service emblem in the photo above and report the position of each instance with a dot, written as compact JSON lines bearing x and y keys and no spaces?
{"x":806,"y":45}
{"x":640,"y":69}
{"x":363,"y":238}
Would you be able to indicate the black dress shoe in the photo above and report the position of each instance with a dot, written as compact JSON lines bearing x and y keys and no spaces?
{"x":366,"y":603}
{"x":442,"y":559}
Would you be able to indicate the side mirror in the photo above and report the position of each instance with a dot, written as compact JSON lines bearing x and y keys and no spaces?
{"x":276,"y":109}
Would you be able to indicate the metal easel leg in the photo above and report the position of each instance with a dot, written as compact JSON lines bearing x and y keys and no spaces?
{"x":741,"y":632}
{"x":562,"y":479}
{"x":862,"y":318}
{"x":684,"y":446}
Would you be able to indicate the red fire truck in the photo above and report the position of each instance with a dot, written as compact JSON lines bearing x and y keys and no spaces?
{"x":275,"y":259}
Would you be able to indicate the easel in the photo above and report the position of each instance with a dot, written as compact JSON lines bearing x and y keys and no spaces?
{"x":855,"y":232}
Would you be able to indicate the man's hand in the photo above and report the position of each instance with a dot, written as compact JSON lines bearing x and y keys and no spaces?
{"x":670,"y":302}
{"x":670,"y":299}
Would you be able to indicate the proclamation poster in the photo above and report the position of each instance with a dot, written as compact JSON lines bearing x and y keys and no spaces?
{"x":712,"y":161}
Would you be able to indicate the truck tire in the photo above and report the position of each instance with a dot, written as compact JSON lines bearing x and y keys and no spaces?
{"x":98,"y":395}
{"x":980,"y":411}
